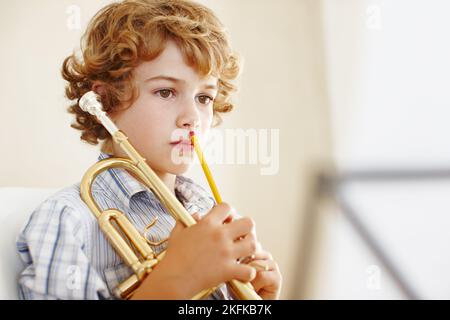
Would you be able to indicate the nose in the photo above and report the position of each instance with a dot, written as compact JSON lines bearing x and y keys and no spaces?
{"x":188,"y":117}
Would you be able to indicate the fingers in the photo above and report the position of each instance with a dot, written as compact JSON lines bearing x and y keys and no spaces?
{"x":258,"y":254}
{"x":245,"y":247}
{"x":263,"y":265}
{"x":267,"y":280}
{"x":241,"y":228}
{"x":243,"y":272}
{"x":262,"y":255}
{"x":221,"y":213}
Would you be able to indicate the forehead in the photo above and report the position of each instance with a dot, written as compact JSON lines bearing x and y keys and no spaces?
{"x":171,"y":63}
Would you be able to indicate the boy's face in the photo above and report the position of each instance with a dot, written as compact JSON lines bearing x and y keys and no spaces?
{"x":173,"y":100}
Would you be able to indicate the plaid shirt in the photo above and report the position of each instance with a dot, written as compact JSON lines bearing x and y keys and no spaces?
{"x":67,"y":255}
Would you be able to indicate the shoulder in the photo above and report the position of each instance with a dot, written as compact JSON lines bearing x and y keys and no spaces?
{"x":65,"y":207}
{"x":68,"y":198}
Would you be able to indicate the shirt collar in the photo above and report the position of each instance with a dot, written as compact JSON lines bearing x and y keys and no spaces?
{"x":124,"y":186}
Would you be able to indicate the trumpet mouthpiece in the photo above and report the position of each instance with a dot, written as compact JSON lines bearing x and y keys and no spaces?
{"x":89,"y":103}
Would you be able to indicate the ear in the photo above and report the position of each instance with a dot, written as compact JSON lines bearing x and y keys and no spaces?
{"x":99,"y":88}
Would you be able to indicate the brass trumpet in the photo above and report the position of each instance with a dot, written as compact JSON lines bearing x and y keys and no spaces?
{"x":114,"y":222}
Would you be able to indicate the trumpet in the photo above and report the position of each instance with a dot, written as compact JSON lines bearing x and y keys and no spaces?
{"x":132,"y":247}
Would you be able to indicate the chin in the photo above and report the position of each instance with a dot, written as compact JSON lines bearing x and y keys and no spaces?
{"x":179,"y":169}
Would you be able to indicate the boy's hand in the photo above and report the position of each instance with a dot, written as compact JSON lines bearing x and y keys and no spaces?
{"x":267,"y":284}
{"x":205,"y":254}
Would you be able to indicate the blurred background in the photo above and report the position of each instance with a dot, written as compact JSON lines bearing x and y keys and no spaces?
{"x":358,"y":89}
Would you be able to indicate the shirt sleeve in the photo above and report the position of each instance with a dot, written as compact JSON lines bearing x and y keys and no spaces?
{"x":52,"y":245}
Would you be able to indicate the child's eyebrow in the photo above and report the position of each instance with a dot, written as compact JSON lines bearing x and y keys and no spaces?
{"x":172,"y":79}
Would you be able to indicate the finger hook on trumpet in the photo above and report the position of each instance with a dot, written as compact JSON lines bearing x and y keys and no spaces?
{"x":146,"y":231}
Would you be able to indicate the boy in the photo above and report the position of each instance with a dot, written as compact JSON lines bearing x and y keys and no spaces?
{"x":161,"y":69}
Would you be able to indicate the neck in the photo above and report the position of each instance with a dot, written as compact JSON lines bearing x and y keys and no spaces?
{"x":168,"y":179}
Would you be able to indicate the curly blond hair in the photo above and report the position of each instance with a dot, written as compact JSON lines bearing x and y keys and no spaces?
{"x":122,"y":35}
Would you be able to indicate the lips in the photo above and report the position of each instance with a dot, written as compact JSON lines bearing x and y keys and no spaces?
{"x":182,"y":142}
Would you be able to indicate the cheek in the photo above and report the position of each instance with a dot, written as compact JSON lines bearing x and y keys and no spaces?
{"x":142,"y":125}
{"x":207,"y":118}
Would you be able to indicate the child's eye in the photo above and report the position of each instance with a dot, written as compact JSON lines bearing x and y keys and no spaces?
{"x":205,"y":99}
{"x":165,"y":93}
